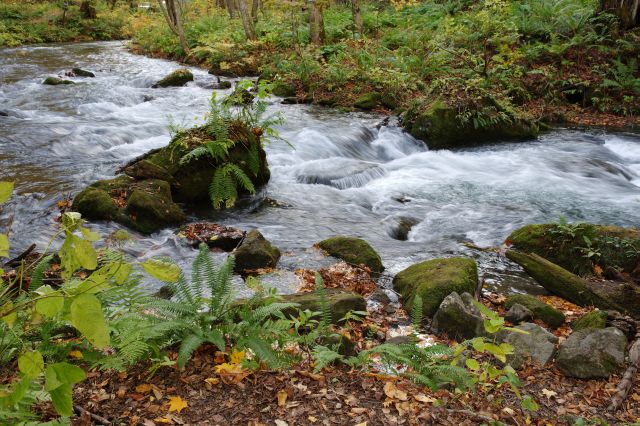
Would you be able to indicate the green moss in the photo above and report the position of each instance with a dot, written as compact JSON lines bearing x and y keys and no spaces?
{"x":434,"y":280}
{"x":94,"y":203}
{"x":355,"y":251}
{"x":339,"y":302}
{"x":558,"y":280}
{"x":542,"y":311}
{"x":594,"y":319}
{"x":283,"y":89}
{"x":255,"y":252}
{"x":177,"y":78}
{"x":151,"y":208}
{"x":566,"y":246}
{"x":368,"y":101}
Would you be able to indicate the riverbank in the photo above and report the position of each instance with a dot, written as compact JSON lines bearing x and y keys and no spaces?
{"x":23,"y":23}
{"x":497,"y":67}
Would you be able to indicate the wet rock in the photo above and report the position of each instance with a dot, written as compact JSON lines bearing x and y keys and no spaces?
{"x":538,"y":345}
{"x":4,"y":114}
{"x":595,"y":319}
{"x":355,"y":251}
{"x":338,"y":302}
{"x":399,"y":340}
{"x":380,"y":296}
{"x":177,"y":78}
{"x":79,"y":72}
{"x":220,"y":85}
{"x":518,"y":313}
{"x":590,"y":353}
{"x":151,"y":208}
{"x":400,"y":227}
{"x":147,"y":98}
{"x":624,"y":323}
{"x":290,"y":101}
{"x":558,"y":280}
{"x":145,"y":169}
{"x":95,"y":203}
{"x":241,"y":96}
{"x":255,"y":252}
{"x":542,"y":311}
{"x":439,"y":126}
{"x":565,"y":248}
{"x":458,"y":317}
{"x":214,"y":235}
{"x":283,"y":89}
{"x":368,"y":101}
{"x":434,"y":280}
{"x":55,"y":81}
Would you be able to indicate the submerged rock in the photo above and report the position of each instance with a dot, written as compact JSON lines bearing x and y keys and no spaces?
{"x":79,"y":72}
{"x":177,"y":78}
{"x":540,"y":310}
{"x":440,"y":127}
{"x":592,"y":353}
{"x":355,"y":251}
{"x":434,"y":280}
{"x":537,"y":345}
{"x":458,"y":317}
{"x":255,"y":252}
{"x":55,"y":81}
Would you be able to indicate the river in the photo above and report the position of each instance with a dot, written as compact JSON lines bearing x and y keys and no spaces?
{"x":345,"y":174}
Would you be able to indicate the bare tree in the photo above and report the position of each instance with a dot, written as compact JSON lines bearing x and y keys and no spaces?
{"x":316,"y":22}
{"x":172,"y":11}
{"x":247,"y":22}
{"x":627,"y":10}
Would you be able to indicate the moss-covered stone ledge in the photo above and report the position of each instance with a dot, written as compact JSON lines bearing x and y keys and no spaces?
{"x":355,"y":251}
{"x":434,"y":280}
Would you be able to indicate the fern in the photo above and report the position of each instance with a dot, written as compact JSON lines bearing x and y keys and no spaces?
{"x":223,"y":189}
{"x":416,"y":315}
{"x":37,"y":276}
{"x":325,"y":311}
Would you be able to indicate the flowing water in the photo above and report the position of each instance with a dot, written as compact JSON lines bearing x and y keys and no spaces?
{"x":345,"y":175}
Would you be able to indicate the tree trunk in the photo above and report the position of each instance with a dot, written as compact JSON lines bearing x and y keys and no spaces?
{"x":231,"y":7}
{"x":316,"y":23}
{"x":87,"y":10}
{"x":247,"y":23}
{"x":627,"y":10}
{"x":172,"y":14}
{"x":357,"y":15}
{"x":254,"y":10}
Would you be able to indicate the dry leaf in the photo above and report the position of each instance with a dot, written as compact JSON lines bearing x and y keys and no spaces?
{"x":279,"y":422}
{"x":177,"y":404}
{"x":76,"y":354}
{"x":164,"y":420}
{"x":549,"y":393}
{"x":144,"y":388}
{"x":282,"y":398}
{"x":212,"y":380}
{"x":424,"y":398}
{"x":392,"y":391}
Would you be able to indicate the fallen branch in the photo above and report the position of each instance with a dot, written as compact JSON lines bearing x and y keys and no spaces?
{"x":98,"y":419}
{"x":16,"y":260}
{"x":627,"y":379}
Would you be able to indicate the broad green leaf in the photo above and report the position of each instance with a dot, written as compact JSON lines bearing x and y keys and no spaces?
{"x":6,"y":189}
{"x":51,"y":304}
{"x":89,"y":235}
{"x":161,"y":270}
{"x":4,"y":245}
{"x":86,"y":254}
{"x":62,"y":373}
{"x":17,"y":393}
{"x":529,"y":403}
{"x":71,"y":221}
{"x":88,"y":318}
{"x":10,"y":317}
{"x":472,"y":364}
{"x":121,"y":272}
{"x":61,"y":398}
{"x":31,"y":364}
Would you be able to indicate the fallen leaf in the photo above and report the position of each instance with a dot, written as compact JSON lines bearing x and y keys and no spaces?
{"x":279,"y":422}
{"x":76,"y":354}
{"x":424,"y":398}
{"x":177,"y":404}
{"x":549,"y":393}
{"x":212,"y":380}
{"x":392,"y":391}
{"x":282,"y":398}
{"x":164,"y":420}
{"x":144,"y":388}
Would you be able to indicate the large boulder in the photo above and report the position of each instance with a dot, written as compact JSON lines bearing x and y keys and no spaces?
{"x":145,"y":197}
{"x":595,"y":319}
{"x":355,"y":251}
{"x":338,"y":302}
{"x":535,"y":344}
{"x":591,"y":353}
{"x":434,"y":280}
{"x":439,"y":125}
{"x":558,"y":280}
{"x":177,"y":78}
{"x":458,"y":317}
{"x":255,"y":252}
{"x":542,"y":311}
{"x":566,"y":245}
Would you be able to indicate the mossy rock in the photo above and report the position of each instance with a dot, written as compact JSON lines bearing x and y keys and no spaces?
{"x":368,"y":101}
{"x":82,"y":73}
{"x":339,"y":303}
{"x":440,"y":127}
{"x":566,"y":245}
{"x":177,"y":78}
{"x":145,"y":169}
{"x":283,"y":89}
{"x":559,"y":281}
{"x":434,"y":280}
{"x":542,"y":311}
{"x":355,"y":251}
{"x":151,"y":208}
{"x":594,"y":319}
{"x":255,"y":252}
{"x":55,"y":81}
{"x":94,"y":203}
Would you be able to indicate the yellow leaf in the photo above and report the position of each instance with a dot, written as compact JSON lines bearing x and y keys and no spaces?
{"x":76,"y":354}
{"x":236,"y":357}
{"x":164,"y":420}
{"x":282,"y":398}
{"x":362,"y":424}
{"x":423,"y":398}
{"x":212,"y":380}
{"x":144,"y":388}
{"x":392,"y":391}
{"x":177,"y":404}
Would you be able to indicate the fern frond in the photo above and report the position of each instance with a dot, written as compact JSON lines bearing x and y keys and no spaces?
{"x":37,"y":276}
{"x":194,"y":154}
{"x":324,"y":357}
{"x":325,"y":310}
{"x":253,"y":159}
{"x":241,"y":178}
{"x":188,"y":345}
